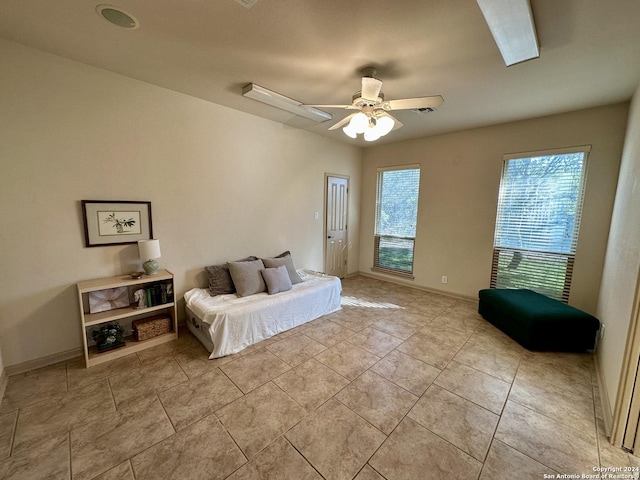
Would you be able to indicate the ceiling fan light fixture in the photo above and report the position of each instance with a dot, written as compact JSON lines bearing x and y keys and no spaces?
{"x":371,"y":135}
{"x":359,"y":122}
{"x":372,"y":120}
{"x":372,"y":124}
{"x":385,"y":124}
{"x":349,"y":131}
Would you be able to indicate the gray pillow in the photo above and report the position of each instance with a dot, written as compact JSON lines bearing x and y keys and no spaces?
{"x":286,"y":260}
{"x":277,"y":279}
{"x":246,"y":277}
{"x":220,"y":281}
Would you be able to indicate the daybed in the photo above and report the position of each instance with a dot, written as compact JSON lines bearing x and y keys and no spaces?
{"x":229,"y":322}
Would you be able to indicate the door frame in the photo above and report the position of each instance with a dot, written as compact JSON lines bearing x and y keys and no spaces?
{"x":626,"y":412}
{"x":324,"y":218}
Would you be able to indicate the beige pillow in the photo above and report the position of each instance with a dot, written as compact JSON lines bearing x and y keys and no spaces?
{"x":277,"y":279}
{"x":246,"y":277}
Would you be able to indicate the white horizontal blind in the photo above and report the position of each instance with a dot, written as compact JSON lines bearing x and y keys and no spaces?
{"x":396,"y":216}
{"x":546,"y":273}
{"x":538,"y":220}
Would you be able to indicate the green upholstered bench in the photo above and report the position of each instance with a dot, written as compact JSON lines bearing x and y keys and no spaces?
{"x":538,"y":322}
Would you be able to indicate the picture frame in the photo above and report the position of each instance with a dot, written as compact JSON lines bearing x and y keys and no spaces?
{"x":116,"y":222}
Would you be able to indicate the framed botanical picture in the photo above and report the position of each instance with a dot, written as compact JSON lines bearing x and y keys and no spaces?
{"x":116,"y":222}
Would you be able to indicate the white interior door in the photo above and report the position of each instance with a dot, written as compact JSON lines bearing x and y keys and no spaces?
{"x":337,"y":200}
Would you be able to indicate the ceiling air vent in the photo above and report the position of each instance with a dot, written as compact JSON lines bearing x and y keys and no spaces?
{"x":246,"y":3}
{"x":422,"y":111}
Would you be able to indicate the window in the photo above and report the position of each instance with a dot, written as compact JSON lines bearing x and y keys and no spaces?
{"x":538,"y":221}
{"x":396,"y":217}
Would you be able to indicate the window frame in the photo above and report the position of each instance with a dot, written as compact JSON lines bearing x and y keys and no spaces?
{"x":378,"y":237}
{"x":541,"y":255}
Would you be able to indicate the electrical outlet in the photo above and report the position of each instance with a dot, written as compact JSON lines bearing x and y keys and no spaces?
{"x":444,"y":279}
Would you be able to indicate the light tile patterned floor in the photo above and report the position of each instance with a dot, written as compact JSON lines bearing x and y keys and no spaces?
{"x":399,"y":384}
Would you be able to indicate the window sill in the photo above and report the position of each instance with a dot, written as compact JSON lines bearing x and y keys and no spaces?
{"x":395,"y":273}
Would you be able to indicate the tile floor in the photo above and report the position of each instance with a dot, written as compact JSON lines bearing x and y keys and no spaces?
{"x":399,"y":384}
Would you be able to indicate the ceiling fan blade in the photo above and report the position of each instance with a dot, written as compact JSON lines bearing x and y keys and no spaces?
{"x":342,"y":122}
{"x":346,"y":107}
{"x":414,"y":103}
{"x":370,"y":88}
{"x":398,"y":124}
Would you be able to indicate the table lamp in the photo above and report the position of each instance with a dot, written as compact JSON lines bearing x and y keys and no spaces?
{"x":149,"y":250}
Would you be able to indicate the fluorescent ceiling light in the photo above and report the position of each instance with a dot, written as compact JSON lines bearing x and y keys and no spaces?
{"x":261,"y":94}
{"x":511,"y":24}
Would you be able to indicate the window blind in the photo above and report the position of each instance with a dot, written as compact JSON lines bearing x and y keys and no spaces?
{"x":537,"y":224}
{"x":396,"y":216}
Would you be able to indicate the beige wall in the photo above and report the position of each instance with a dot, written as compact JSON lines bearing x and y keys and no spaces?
{"x":460,"y":176}
{"x":620,"y":280}
{"x":223,"y":185}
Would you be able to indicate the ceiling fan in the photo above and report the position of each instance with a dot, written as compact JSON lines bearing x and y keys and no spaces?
{"x":373,"y":119}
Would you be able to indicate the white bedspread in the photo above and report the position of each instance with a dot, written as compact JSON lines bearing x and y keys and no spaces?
{"x":237,"y":322}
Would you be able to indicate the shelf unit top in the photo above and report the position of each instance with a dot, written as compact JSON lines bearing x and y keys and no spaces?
{"x":121,"y":281}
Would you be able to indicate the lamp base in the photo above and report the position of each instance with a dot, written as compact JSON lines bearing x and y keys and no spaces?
{"x":150,"y":267}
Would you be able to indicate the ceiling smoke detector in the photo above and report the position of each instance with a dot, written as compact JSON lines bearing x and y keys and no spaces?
{"x":118,"y":17}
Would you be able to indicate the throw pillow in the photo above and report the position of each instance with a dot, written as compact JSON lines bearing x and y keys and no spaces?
{"x":246,"y":277}
{"x":286,"y":260}
{"x":277,"y":279}
{"x":220,"y":281}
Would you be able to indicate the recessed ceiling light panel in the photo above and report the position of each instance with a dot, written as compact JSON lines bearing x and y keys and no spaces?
{"x":117,"y":17}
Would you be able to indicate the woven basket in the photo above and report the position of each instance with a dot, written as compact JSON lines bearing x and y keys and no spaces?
{"x":146,"y":328}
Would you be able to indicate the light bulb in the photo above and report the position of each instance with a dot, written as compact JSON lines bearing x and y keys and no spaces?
{"x":349,"y":131}
{"x":371,"y":135}
{"x":384,"y":125}
{"x":359,"y":122}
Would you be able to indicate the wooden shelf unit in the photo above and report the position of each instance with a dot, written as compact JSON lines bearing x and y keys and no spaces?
{"x":88,"y":320}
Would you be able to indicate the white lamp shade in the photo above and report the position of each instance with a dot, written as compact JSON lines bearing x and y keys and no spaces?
{"x":371,"y":135}
{"x":384,"y":125}
{"x":349,"y":131}
{"x":149,"y":249}
{"x":359,"y":123}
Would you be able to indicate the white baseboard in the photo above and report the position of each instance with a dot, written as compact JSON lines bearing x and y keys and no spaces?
{"x":405,"y":283}
{"x":3,"y":382}
{"x":46,"y":361}
{"x":42,"y":362}
{"x":605,"y":404}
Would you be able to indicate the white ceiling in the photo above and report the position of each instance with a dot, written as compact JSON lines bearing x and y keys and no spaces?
{"x":312,"y":50}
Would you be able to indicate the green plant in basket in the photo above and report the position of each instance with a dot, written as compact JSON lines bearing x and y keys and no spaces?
{"x":108,"y":336}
